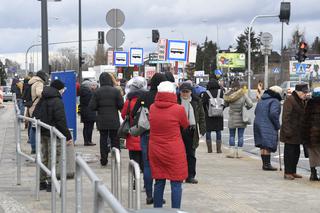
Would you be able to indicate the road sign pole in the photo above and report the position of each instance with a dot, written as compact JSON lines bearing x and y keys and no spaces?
{"x":266,"y":76}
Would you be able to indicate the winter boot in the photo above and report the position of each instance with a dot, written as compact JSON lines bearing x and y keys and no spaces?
{"x":239,"y":152}
{"x":314,"y":176}
{"x":232,"y":152}
{"x":218,"y":146}
{"x":267,"y":163}
{"x":209,"y":146}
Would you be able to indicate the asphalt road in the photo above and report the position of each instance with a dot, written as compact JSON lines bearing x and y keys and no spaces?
{"x":249,"y":146}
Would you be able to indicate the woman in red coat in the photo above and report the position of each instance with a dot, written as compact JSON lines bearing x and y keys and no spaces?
{"x":166,"y":148}
{"x":135,"y":88}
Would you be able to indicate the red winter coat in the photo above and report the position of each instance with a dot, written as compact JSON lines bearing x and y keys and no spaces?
{"x":167,"y":153}
{"x":132,"y":143}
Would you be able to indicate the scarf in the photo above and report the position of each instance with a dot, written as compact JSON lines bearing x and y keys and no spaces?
{"x":189,"y":110}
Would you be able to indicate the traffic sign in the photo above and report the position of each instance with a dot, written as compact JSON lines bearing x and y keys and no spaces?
{"x":177,"y":50}
{"x":136,"y":56}
{"x":115,"y":38}
{"x":276,"y":70}
{"x":120,"y":59}
{"x":115,"y":18}
{"x":301,"y":68}
{"x":266,"y":38}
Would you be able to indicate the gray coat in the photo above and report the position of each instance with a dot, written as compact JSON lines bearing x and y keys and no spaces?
{"x":236,"y":100}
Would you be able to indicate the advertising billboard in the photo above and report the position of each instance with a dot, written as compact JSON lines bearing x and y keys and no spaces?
{"x":231,"y":60}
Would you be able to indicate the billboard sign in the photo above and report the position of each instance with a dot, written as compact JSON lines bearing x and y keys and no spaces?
{"x":120,"y":59}
{"x":308,"y":70}
{"x":177,"y":50}
{"x":162,"y":49}
{"x":231,"y":60}
{"x":136,"y":56}
{"x":192,"y":52}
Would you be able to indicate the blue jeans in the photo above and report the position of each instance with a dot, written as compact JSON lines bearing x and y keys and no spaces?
{"x":176,"y":193}
{"x":147,"y":178}
{"x":218,"y":135}
{"x":20,"y":106}
{"x":233,"y":134}
{"x":32,"y":137}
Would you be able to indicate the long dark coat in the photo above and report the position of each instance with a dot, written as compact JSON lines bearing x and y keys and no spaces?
{"x":87,"y":115}
{"x":292,"y":120}
{"x":266,"y":121}
{"x":212,"y":123}
{"x":199,"y":118}
{"x":311,"y":129}
{"x":107,"y":100}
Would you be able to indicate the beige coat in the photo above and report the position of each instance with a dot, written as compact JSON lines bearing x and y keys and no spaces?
{"x":36,"y":91}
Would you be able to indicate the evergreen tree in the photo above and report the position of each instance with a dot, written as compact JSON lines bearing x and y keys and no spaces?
{"x":206,"y":56}
{"x":100,"y":57}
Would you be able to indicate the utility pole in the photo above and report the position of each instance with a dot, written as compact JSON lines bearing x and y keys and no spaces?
{"x":44,"y":37}
{"x":80,"y":45}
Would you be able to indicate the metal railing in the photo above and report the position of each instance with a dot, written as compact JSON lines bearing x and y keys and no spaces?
{"x":134,"y":185}
{"x":116,"y":183}
{"x":59,"y":187}
{"x":101,"y":193}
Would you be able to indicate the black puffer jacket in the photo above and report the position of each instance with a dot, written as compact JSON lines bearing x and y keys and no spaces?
{"x":107,"y":101}
{"x":50,"y":110}
{"x":212,"y":123}
{"x":87,"y":115}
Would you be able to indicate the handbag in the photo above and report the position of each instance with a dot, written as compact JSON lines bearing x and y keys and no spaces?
{"x":245,"y":117}
{"x":125,"y":125}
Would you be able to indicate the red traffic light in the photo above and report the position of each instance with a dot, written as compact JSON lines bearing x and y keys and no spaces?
{"x":303,"y":45}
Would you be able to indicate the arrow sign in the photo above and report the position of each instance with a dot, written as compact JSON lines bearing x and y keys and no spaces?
{"x":301,"y":68}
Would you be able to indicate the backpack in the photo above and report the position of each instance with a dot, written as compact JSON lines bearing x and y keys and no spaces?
{"x":141,"y":121}
{"x":27,"y":96}
{"x":215,"y":108}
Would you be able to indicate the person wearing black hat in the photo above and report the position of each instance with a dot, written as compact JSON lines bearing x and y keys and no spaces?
{"x":50,"y":110}
{"x":194,"y":109}
{"x":291,"y":133}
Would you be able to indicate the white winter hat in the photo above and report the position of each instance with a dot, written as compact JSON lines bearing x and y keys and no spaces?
{"x":167,"y":86}
{"x":276,"y":89}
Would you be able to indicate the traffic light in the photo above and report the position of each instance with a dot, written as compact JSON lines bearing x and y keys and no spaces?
{"x":82,"y":60}
{"x":301,"y":54}
{"x":155,"y":36}
{"x":100,"y":37}
{"x":285,"y":12}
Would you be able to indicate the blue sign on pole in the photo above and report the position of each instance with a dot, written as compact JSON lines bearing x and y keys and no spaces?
{"x":177,"y":50}
{"x":120,"y":59}
{"x":218,"y":72}
{"x":69,"y":98}
{"x":301,"y":68}
{"x":136,"y":56}
{"x":276,"y":70}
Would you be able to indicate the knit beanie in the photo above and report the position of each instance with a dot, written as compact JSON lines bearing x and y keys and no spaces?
{"x":57,"y":84}
{"x":167,"y":86}
{"x":276,"y":89}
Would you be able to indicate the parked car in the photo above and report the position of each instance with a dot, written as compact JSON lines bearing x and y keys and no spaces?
{"x":7,"y":94}
{"x":288,"y":87}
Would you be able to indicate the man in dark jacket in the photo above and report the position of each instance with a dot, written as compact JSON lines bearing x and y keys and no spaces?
{"x":291,"y":129}
{"x":196,"y":116}
{"x":146,"y":100}
{"x":88,"y":116}
{"x":50,"y":110}
{"x":107,"y":101}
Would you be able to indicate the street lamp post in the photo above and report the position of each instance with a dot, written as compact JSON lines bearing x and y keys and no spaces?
{"x":80,"y":45}
{"x":249,"y":47}
{"x":44,"y":35}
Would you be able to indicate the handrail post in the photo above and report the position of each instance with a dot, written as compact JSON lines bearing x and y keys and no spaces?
{"x":53,"y":140}
{"x":116,"y":184}
{"x":18,"y":142}
{"x":98,"y":202}
{"x":63,"y":176}
{"x":38,"y":158}
{"x":134,"y":174}
{"x":78,"y":184}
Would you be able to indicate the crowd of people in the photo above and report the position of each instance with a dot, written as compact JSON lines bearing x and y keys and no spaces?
{"x":178,"y":117}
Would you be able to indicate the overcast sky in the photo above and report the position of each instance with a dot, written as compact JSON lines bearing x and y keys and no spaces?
{"x":221,"y":21}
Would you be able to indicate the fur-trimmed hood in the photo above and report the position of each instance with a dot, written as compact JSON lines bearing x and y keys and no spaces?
{"x":233,"y":95}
